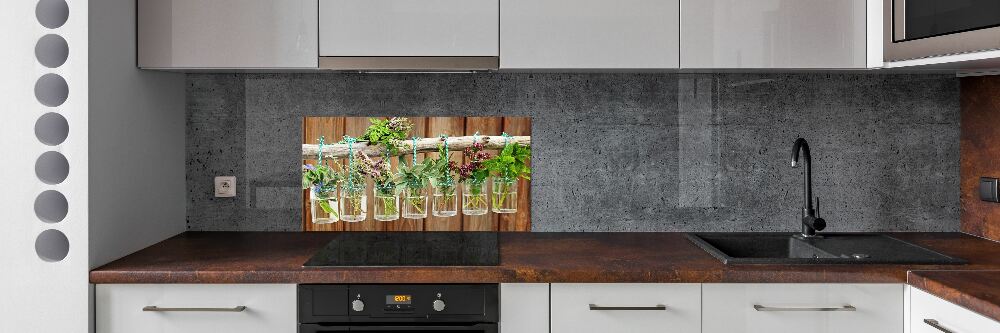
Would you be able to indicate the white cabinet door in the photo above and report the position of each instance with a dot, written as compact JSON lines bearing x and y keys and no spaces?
{"x":927,"y":310}
{"x":524,"y":308}
{"x":227,"y":33}
{"x":803,"y":308}
{"x":425,"y":28}
{"x":773,"y":34}
{"x":588,"y":34}
{"x":626,"y":307}
{"x":270,"y":308}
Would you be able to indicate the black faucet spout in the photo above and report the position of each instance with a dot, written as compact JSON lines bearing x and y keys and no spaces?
{"x":810,"y":222}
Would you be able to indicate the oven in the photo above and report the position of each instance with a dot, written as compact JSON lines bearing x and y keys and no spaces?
{"x":916,"y":29}
{"x":385,"y":308}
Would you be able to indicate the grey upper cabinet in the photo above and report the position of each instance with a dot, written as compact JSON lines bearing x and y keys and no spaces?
{"x":407,"y":28}
{"x":779,"y":34}
{"x":221,"y":34}
{"x":589,"y":34}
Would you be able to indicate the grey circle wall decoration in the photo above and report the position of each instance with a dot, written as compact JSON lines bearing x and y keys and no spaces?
{"x":51,"y":51}
{"x":52,"y":13}
{"x":51,"y":90}
{"x":52,"y":167}
{"x":51,"y":129}
{"x":52,"y":245}
{"x":51,"y":206}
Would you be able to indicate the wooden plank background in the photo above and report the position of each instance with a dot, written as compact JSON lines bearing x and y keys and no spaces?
{"x":334,"y":128}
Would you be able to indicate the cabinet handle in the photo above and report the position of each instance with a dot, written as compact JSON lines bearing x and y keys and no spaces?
{"x":154,"y":308}
{"x":595,"y":307}
{"x":759,"y":307}
{"x":935,"y":324}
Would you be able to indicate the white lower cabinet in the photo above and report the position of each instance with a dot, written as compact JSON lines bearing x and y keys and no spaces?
{"x":196,"y":308}
{"x":930,"y":314}
{"x":803,"y":308}
{"x":626,"y":307}
{"x":524,"y":308}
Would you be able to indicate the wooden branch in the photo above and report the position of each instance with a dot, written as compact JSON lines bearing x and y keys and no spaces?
{"x":424,"y":145}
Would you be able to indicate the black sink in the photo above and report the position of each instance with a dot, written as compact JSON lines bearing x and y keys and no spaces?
{"x":838,"y":248}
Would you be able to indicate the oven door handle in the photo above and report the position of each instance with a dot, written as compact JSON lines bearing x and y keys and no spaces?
{"x":485,"y":328}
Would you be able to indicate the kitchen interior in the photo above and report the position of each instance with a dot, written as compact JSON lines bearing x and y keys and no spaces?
{"x":501,"y":166}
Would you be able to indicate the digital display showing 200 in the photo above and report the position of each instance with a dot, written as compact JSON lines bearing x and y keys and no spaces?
{"x":398,"y":299}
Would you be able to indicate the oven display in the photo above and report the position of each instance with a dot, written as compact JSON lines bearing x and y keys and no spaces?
{"x":398,"y":299}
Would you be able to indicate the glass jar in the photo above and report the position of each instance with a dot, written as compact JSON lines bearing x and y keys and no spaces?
{"x":474,"y":198}
{"x":325,"y":208}
{"x":504,"y":195}
{"x":353,"y":203}
{"x":415,"y":200}
{"x":386,"y":203}
{"x":445,"y":202}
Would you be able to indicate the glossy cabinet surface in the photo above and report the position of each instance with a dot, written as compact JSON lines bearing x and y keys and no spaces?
{"x":589,"y":34}
{"x":524,"y":308}
{"x":270,"y":308}
{"x":428,"y":28}
{"x":927,"y":309}
{"x":804,"y":308}
{"x":774,"y":34}
{"x":227,"y":34}
{"x":626,"y":307}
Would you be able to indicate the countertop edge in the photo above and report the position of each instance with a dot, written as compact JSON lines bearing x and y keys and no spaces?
{"x":930,"y":282}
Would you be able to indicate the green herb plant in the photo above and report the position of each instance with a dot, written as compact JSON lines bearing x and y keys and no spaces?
{"x":386,"y":183}
{"x":354,"y":190}
{"x":414,"y":178}
{"x":442,"y":173}
{"x":511,"y":163}
{"x":322,"y":180}
{"x":387,"y":133}
{"x":474,"y":173}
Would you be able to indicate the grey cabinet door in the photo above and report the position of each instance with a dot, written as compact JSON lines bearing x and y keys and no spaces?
{"x":720,"y":34}
{"x":239,"y":34}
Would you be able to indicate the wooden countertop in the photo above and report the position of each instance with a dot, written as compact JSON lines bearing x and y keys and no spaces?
{"x":978,"y":291}
{"x":277,"y":257}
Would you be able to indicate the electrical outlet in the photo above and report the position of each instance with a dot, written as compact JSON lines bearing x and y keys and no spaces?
{"x":225,"y":187}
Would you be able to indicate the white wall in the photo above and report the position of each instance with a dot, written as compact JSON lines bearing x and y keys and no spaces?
{"x":124,"y":187}
{"x":137,"y":186}
{"x":38,"y":295}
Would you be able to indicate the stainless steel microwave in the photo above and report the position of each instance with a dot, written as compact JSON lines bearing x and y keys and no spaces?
{"x":916,"y":29}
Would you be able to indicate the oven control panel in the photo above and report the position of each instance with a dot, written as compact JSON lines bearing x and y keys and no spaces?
{"x":473,"y":308}
{"x":420,"y":300}
{"x":363,"y":303}
{"x":399,"y":303}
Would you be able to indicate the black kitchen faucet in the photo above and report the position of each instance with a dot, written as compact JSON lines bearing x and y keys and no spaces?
{"x":810,"y":221}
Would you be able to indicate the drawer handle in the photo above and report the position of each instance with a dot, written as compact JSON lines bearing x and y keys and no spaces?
{"x":154,"y":308}
{"x":595,"y":307}
{"x":759,"y":307}
{"x":935,"y":324}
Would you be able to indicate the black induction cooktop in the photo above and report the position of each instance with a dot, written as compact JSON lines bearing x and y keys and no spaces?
{"x":409,"y":249}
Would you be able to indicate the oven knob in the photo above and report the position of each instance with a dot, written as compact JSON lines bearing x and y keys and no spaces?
{"x":358,"y":305}
{"x":438,"y":305}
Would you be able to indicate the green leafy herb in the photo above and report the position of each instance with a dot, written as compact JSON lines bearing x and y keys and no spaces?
{"x":511,"y":163}
{"x":475,"y":170}
{"x":320,"y":178}
{"x":386,"y":183}
{"x":415,"y":177}
{"x":387,"y":133}
{"x":325,"y":205}
{"x":442,"y":170}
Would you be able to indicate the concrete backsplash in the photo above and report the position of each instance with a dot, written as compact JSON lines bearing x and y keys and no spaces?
{"x":615,"y":152}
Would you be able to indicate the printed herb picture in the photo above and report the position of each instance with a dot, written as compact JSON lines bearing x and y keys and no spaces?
{"x":417,"y":171}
